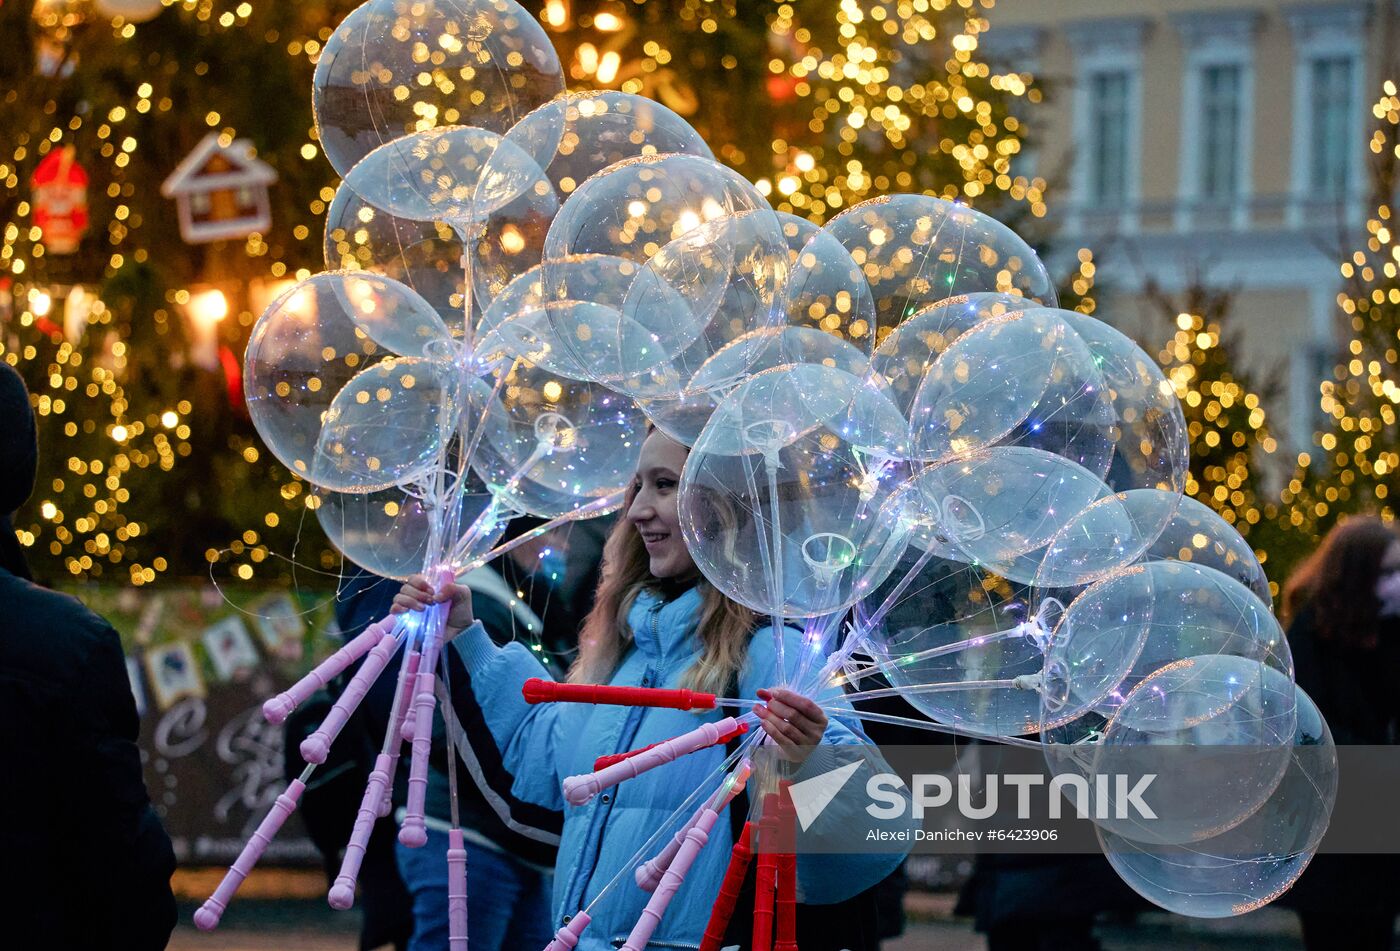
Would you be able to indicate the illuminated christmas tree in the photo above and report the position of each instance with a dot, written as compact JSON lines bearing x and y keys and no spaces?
{"x":1354,"y":469}
{"x":131,"y":337}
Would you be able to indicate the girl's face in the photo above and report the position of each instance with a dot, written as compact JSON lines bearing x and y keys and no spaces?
{"x":654,"y":508}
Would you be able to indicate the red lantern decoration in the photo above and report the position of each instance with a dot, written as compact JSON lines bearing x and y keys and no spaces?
{"x":60,"y":186}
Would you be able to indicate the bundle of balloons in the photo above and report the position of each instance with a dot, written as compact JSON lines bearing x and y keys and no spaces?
{"x":976,"y":499}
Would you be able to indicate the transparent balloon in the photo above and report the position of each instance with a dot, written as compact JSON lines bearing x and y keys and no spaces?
{"x":916,"y":250}
{"x":394,"y":67}
{"x":963,"y":631}
{"x":1113,"y":532}
{"x":426,"y":256}
{"x":1123,"y":629}
{"x":908,"y":350}
{"x":1255,"y":861}
{"x":553,"y":151}
{"x":780,"y":496}
{"x":1215,"y":733}
{"x":389,"y":533}
{"x":684,"y":417}
{"x":312,"y":341}
{"x":1151,"y":445}
{"x":1001,"y":507}
{"x":550,"y":445}
{"x":432,"y":176}
{"x":825,"y":288}
{"x":1199,"y":535}
{"x":1023,"y":379}
{"x":704,"y":238}
{"x":390,"y":425}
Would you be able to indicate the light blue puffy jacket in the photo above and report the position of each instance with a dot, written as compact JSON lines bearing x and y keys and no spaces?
{"x":543,"y":744}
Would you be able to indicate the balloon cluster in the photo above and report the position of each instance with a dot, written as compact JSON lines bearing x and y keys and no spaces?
{"x":977,"y":497}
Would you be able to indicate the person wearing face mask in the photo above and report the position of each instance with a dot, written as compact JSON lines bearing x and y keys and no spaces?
{"x":1342,"y":608}
{"x":655,"y":622}
{"x":84,"y":861}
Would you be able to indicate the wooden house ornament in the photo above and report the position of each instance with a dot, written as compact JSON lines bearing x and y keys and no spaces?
{"x":220,"y":191}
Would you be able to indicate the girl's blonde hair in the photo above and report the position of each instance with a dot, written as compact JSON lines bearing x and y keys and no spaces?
{"x":724,"y":628}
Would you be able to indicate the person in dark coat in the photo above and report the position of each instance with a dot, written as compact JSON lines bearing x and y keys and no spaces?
{"x":1342,"y":608}
{"x":84,"y":861}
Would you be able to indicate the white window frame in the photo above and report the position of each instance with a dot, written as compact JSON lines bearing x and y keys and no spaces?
{"x":1332,"y":31}
{"x":1209,"y":40}
{"x":1107,"y":46}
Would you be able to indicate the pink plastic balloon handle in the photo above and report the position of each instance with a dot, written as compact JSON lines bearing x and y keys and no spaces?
{"x":648,"y":874}
{"x":578,"y":790}
{"x":316,"y":747}
{"x":207,"y":918}
{"x":342,"y":893}
{"x":281,"y":706}
{"x":695,"y":839}
{"x":456,"y":891}
{"x":566,"y":938}
{"x":396,"y":722}
{"x":414,"y":831}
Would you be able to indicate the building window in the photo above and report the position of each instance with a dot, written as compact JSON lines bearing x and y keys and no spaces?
{"x":1107,"y":184}
{"x":1222,"y":89}
{"x":1331,"y":82}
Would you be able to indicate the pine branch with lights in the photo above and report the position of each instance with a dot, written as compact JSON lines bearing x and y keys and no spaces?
{"x":1359,"y":451}
{"x":129,"y":336}
{"x":822,"y":105}
{"x":1225,"y":417}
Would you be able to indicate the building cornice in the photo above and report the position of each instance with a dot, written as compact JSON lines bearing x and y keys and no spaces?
{"x":1110,"y":35}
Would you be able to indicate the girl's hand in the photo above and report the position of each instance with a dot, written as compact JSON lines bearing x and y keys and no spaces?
{"x":794,"y":722}
{"x":417,"y":594}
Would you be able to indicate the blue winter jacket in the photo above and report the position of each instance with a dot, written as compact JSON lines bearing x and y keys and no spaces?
{"x":542,"y":745}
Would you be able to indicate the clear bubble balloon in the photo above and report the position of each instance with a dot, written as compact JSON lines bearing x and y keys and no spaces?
{"x":1152,"y":447}
{"x":1214,"y":731}
{"x":908,"y":350}
{"x":1199,"y":535}
{"x":1123,"y":629}
{"x":394,"y":67}
{"x":389,"y":425}
{"x":553,"y":151}
{"x":426,"y":256}
{"x":549,"y":444}
{"x":431,"y":176}
{"x":780,"y":496}
{"x":700,"y":233}
{"x":683,"y":418}
{"x":955,"y":637}
{"x":1001,"y":507}
{"x":312,"y":341}
{"x":1255,"y":861}
{"x":1023,"y":379}
{"x":825,"y":287}
{"x":1109,"y":534}
{"x":388,"y":533}
{"x":916,"y":250}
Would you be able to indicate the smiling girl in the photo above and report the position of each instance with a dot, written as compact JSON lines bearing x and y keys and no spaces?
{"x":655,"y":623}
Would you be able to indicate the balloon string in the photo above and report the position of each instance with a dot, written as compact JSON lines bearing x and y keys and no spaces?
{"x":474,"y":437}
{"x":596,"y":507}
{"x":774,"y":581}
{"x":933,"y":652}
{"x":770,"y":464}
{"x":449,"y":717}
{"x":931,"y":726}
{"x":860,"y":631}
